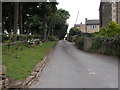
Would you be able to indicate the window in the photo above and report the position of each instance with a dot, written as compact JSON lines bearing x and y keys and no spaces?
{"x":93,"y":26}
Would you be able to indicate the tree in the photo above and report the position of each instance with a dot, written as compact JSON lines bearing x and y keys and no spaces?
{"x":74,"y":31}
{"x":7,"y":16}
{"x":21,"y":18}
{"x":59,"y":24}
{"x":16,"y":17}
{"x":36,"y":18}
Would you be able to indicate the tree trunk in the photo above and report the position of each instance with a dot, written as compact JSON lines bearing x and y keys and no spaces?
{"x":11,"y":24}
{"x":21,"y":19}
{"x":16,"y":12}
{"x":45,"y":29}
{"x":49,"y":29}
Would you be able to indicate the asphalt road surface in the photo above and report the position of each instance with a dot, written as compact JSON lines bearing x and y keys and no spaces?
{"x":73,"y":68}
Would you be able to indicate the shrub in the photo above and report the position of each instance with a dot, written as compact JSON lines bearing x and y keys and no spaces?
{"x":106,"y":45}
{"x":80,"y":42}
{"x":102,"y":32}
{"x":72,"y":38}
{"x":97,"y":43}
{"x":74,"y":31}
{"x":4,"y":37}
{"x":52,"y":38}
{"x":112,"y":30}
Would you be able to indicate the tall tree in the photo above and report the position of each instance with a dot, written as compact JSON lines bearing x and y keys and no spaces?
{"x":21,"y":19}
{"x":7,"y":16}
{"x":60,"y":23}
{"x":16,"y":17}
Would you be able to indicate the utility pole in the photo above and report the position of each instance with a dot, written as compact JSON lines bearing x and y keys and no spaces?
{"x":77,"y":17}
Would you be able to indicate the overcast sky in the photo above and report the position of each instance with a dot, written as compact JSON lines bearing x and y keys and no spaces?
{"x":87,"y":9}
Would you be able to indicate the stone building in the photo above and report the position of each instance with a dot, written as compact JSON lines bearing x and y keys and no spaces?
{"x":90,"y":26}
{"x":81,"y":27}
{"x":77,"y":26}
{"x":109,"y":11}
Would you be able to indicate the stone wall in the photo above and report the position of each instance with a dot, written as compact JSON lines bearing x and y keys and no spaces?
{"x":87,"y":43}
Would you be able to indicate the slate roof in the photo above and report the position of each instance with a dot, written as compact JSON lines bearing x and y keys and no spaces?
{"x":92,"y":22}
{"x":77,"y":25}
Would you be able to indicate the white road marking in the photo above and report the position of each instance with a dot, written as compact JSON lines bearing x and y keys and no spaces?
{"x":91,"y":72}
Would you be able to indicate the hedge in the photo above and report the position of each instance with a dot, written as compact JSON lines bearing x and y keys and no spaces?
{"x":102,"y":45}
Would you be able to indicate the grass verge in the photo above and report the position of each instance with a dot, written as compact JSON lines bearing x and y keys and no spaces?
{"x":20,"y":61}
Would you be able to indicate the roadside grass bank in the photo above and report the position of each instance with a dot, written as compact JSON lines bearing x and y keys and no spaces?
{"x":20,"y":59}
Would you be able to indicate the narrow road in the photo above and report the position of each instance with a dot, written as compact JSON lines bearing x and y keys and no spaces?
{"x":73,"y":68}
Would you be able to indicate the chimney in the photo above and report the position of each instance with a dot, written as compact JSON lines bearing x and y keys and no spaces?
{"x":85,"y":25}
{"x":85,"y":20}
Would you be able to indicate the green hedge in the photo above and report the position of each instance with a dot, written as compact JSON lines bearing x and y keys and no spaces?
{"x":109,"y":46}
{"x":97,"y":43}
{"x":102,"y":45}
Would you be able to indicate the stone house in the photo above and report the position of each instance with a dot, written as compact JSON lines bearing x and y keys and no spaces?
{"x":109,"y":11}
{"x":90,"y":26}
{"x":77,"y":26}
{"x":81,"y":27}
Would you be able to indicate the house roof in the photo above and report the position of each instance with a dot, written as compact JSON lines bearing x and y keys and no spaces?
{"x":77,"y":25}
{"x":92,"y":22}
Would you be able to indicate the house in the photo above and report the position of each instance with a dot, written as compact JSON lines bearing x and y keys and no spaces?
{"x":90,"y":26}
{"x":81,"y":27}
{"x":77,"y":26}
{"x":109,"y":11}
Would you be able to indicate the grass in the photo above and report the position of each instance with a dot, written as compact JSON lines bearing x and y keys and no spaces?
{"x":20,"y":62}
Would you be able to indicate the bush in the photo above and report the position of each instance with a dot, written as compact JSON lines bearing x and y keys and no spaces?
{"x":106,"y":45}
{"x":112,"y":45}
{"x":72,"y":38}
{"x":4,"y":37}
{"x":102,"y":32}
{"x":112,"y":30}
{"x":74,"y":31}
{"x":52,"y":38}
{"x":80,"y":42}
{"x":97,"y":43}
